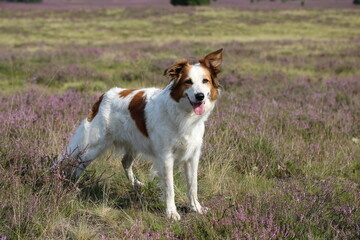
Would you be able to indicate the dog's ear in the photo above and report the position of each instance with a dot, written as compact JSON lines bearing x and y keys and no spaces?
{"x":213,"y":61}
{"x":174,"y":72}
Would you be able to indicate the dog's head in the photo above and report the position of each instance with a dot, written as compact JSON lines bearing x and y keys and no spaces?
{"x":196,"y":86}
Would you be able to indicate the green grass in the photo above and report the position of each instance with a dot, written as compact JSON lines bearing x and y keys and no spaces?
{"x":279,"y":143}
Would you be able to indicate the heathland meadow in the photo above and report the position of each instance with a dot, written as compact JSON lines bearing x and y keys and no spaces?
{"x":281,"y":154}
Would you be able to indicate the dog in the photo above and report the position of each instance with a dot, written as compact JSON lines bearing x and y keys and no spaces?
{"x":166,"y":125}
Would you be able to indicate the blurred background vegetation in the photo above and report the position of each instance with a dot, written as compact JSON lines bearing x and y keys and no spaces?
{"x":281,"y":149}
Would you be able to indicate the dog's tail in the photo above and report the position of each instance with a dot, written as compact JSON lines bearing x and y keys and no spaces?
{"x":67,"y":162}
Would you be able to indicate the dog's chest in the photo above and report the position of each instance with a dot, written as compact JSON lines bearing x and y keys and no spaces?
{"x":185,"y":147}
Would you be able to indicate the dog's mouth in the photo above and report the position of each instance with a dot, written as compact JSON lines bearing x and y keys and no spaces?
{"x":199,"y":107}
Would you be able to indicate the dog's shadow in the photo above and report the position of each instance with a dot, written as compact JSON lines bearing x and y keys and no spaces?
{"x":148,"y":197}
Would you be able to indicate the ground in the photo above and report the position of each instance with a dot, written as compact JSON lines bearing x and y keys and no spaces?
{"x":281,"y":150}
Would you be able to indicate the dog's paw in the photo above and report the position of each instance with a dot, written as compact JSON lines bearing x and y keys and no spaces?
{"x":173,"y":215}
{"x":199,"y":209}
{"x":203,"y":210}
{"x":137,"y":183}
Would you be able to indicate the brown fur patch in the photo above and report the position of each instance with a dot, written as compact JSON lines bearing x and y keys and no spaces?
{"x":137,"y":112}
{"x":214,"y":87}
{"x":212,"y":63}
{"x":95,"y":109}
{"x":179,"y":86}
{"x":175,"y":70}
{"x":125,"y":93}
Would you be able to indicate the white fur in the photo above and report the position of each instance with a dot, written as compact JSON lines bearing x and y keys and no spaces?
{"x":175,"y":135}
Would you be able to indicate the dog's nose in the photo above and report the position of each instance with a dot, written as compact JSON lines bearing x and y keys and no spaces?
{"x":199,"y":96}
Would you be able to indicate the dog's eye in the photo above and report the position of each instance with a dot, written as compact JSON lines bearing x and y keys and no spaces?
{"x":189,"y":81}
{"x":205,"y":80}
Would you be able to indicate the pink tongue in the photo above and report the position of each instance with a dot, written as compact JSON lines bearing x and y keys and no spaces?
{"x":199,"y":108}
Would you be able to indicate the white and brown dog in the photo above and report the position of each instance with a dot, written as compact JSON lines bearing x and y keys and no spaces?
{"x":165,"y":125}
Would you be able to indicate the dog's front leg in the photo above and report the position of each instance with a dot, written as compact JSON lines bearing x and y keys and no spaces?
{"x":191,"y":171}
{"x":165,"y":167}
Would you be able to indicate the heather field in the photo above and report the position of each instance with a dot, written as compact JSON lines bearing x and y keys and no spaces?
{"x":281,"y":154}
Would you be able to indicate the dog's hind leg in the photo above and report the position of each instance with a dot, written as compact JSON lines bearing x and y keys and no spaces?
{"x":127,"y":162}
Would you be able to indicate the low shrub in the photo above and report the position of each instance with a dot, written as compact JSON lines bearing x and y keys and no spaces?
{"x":190,"y":2}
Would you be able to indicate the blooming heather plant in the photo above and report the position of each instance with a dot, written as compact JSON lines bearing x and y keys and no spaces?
{"x":281,"y":151}
{"x":34,"y":125}
{"x":290,"y":211}
{"x":282,"y":137}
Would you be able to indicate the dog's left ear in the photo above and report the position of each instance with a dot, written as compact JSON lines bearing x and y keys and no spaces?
{"x":213,"y":61}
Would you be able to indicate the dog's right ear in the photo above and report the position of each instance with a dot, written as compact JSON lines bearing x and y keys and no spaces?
{"x":175,"y":71}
